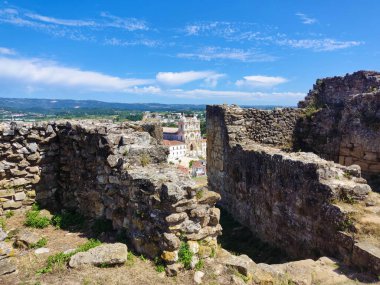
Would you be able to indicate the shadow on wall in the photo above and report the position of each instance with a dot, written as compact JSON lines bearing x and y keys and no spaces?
{"x":240,"y":240}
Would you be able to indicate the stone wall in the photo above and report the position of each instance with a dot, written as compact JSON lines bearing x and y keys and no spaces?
{"x":291,"y":200}
{"x":105,"y":170}
{"x":343,"y":120}
{"x":272,"y":127}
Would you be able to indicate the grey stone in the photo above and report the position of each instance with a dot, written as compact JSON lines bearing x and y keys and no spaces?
{"x":26,"y":238}
{"x":7,"y":266}
{"x":106,"y":254}
{"x":20,"y":196}
{"x":198,"y":275}
{"x":11,"y":205}
{"x":3,"y":234}
{"x":42,"y":250}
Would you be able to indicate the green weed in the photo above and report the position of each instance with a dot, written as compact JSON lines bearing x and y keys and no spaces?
{"x":185,"y":255}
{"x":61,"y":259}
{"x":41,"y":243}
{"x":3,"y":224}
{"x":9,"y":214}
{"x":34,"y":220}
{"x":67,"y":220}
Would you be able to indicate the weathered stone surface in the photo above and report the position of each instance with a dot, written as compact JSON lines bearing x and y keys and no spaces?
{"x":173,"y":269}
{"x":241,"y":263}
{"x":3,"y":234}
{"x":26,"y":238}
{"x":41,"y":250}
{"x":172,"y":242}
{"x":169,"y":256}
{"x":106,"y":254}
{"x":11,"y":205}
{"x":198,"y":275}
{"x":7,"y":266}
{"x":106,"y":171}
{"x":6,"y":250}
{"x":20,"y":196}
{"x":285,"y":198}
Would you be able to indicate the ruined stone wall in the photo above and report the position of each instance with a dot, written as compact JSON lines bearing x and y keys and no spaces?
{"x":272,"y":127}
{"x":343,"y":120}
{"x":105,"y":170}
{"x":286,"y":199}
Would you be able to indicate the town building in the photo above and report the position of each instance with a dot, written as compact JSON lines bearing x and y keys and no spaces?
{"x":188,"y":133}
{"x":177,"y":149}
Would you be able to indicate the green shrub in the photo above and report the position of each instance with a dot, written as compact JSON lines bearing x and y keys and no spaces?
{"x":34,"y":220}
{"x":159,"y":264}
{"x":9,"y":214}
{"x":41,"y":243}
{"x":185,"y":255}
{"x":3,"y":224}
{"x":200,"y":264}
{"x":101,"y":226}
{"x":67,"y":220}
{"x":36,"y":207}
{"x":130,"y":259}
{"x":60,"y":259}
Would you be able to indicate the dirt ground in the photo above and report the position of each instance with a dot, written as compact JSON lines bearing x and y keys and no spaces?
{"x":136,"y":271}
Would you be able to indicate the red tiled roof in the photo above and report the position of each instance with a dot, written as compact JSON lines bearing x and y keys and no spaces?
{"x":197,"y":164}
{"x":171,"y":143}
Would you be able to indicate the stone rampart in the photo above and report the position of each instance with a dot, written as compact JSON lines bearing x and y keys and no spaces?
{"x":272,"y":127}
{"x":296,"y":201}
{"x":343,"y":120}
{"x":112,"y":171}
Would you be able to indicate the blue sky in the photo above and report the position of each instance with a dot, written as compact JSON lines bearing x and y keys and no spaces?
{"x":199,"y":51}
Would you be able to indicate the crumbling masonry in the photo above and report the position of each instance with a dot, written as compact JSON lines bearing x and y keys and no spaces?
{"x":295,"y":200}
{"x":105,"y":170}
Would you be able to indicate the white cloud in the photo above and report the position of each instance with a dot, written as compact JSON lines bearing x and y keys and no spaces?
{"x":260,"y":81}
{"x":217,"y":53}
{"x":129,"y":24}
{"x":305,"y":19}
{"x":41,"y":72}
{"x":228,"y":94}
{"x":7,"y":51}
{"x":319,"y":44}
{"x":26,"y":18}
{"x":179,"y":78}
{"x":137,"y":42}
{"x":63,"y":22}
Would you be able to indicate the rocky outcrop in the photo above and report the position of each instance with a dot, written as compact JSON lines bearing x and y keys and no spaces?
{"x":296,"y":201}
{"x":342,"y":120}
{"x":107,"y":171}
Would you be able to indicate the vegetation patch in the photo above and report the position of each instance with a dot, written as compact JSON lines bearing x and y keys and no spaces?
{"x":3,"y":223}
{"x":144,"y":159}
{"x":41,"y":243}
{"x":160,"y":267}
{"x":67,"y":220}
{"x":9,"y":214}
{"x":35,"y":220}
{"x":61,"y":259}
{"x":185,"y":255}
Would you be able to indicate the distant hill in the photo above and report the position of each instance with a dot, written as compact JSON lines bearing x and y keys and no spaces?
{"x":64,"y":105}
{"x":43,"y":105}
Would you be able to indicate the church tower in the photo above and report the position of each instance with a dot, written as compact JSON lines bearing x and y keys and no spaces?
{"x":189,"y":131}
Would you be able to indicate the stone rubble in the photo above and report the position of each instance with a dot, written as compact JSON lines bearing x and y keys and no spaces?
{"x":107,"y":171}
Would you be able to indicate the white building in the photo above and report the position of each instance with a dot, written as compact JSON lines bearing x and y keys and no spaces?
{"x":189,"y":133}
{"x":177,"y":149}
